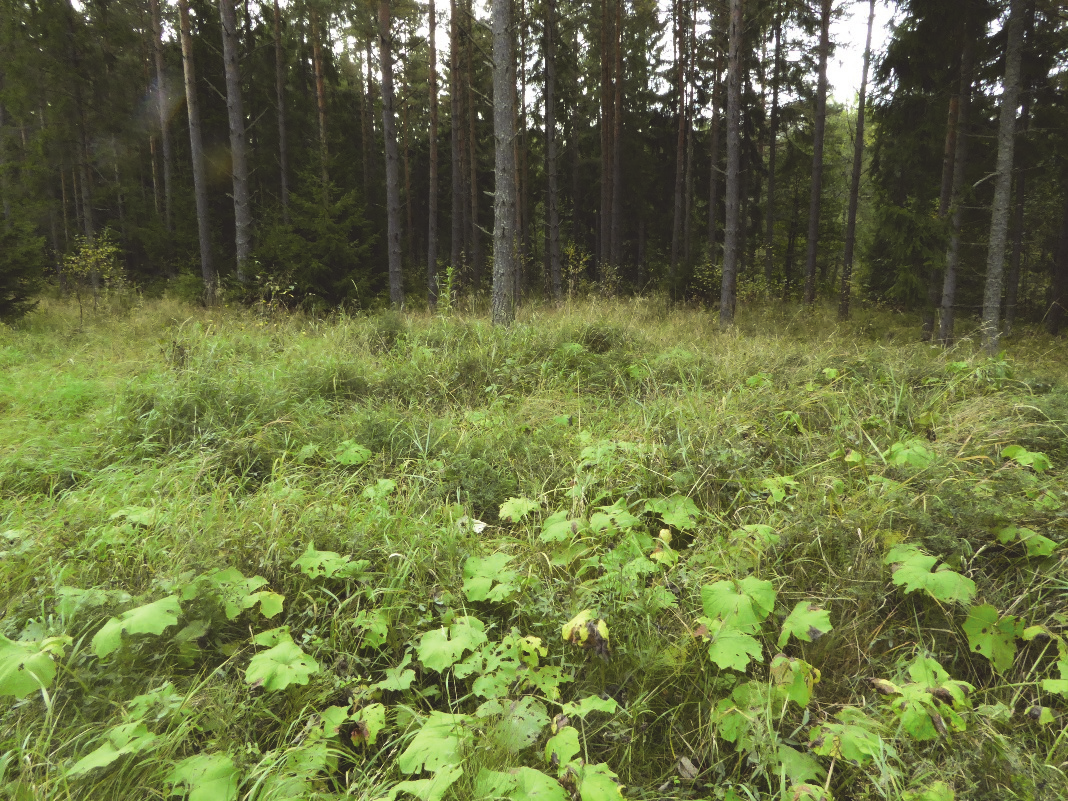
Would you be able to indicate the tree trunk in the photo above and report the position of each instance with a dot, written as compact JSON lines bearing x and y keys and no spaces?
{"x":200,"y":172}
{"x":320,"y":101}
{"x":238,"y":155}
{"x":455,"y":140}
{"x":474,"y":244}
{"x":504,"y":240}
{"x":389,"y":129}
{"x":854,"y":187}
{"x":960,"y":161}
{"x":616,"y":254}
{"x":732,"y":232}
{"x":817,"y":155}
{"x":280,"y":99}
{"x":367,"y":123}
{"x":999,"y":215}
{"x":1012,"y":287}
{"x":769,"y":217}
{"x":680,"y":143}
{"x":3,"y":165}
{"x":432,"y":193}
{"x":553,"y":232}
{"x":607,"y":126}
{"x":161,"y":108}
{"x":1059,"y":300}
{"x":713,"y":172}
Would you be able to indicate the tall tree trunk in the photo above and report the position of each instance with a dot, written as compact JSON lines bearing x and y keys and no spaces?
{"x":680,"y":141}
{"x":854,"y":186}
{"x":455,"y":140}
{"x":239,"y":158}
{"x":617,"y":143}
{"x":999,"y":215}
{"x":817,"y":154}
{"x":504,"y":190}
{"x":432,"y":193}
{"x":769,"y":217}
{"x":196,"y":146}
{"x":161,"y":109}
{"x":475,"y":252}
{"x":320,"y":101}
{"x":389,"y":129}
{"x":4,"y":195}
{"x":1012,"y":286}
{"x":367,"y":122}
{"x":406,"y":165}
{"x":1059,"y":297}
{"x":553,"y":232}
{"x":732,"y":231}
{"x":607,"y":126}
{"x":713,"y":171}
{"x":280,"y":100}
{"x":947,"y":316}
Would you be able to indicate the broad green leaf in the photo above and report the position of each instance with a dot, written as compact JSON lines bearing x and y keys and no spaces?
{"x":807,"y":623}
{"x":616,"y":517}
{"x":1035,"y":543}
{"x":1038,"y":462}
{"x":440,"y":743}
{"x":327,"y":564}
{"x":678,"y":511}
{"x":520,"y":723}
{"x":562,"y":746}
{"x":794,"y":678}
{"x":138,"y":515}
{"x":558,"y":527}
{"x":515,"y":509}
{"x":854,"y":738}
{"x":280,"y":666}
{"x":151,"y":618}
{"x":370,"y":720}
{"x":808,"y":792}
{"x":26,"y":667}
{"x":913,"y":453}
{"x":442,"y":648}
{"x":584,"y":631}
{"x":1042,"y":715}
{"x":912,"y":571}
{"x":486,"y":579}
{"x":398,"y":678}
{"x":351,"y":453}
{"x":128,"y":738}
{"x":743,"y":604}
{"x":597,"y":783}
{"x":734,"y":649}
{"x":778,"y":487}
{"x":591,"y":703}
{"x":993,"y":636}
{"x":206,"y":777}
{"x":799,"y":766}
{"x":938,"y":791}
{"x":432,"y":789}
{"x":519,"y":784}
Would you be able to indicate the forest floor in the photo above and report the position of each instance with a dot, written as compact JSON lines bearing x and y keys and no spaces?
{"x":609,"y":551}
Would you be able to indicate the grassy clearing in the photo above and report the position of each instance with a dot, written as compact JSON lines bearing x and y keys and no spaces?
{"x":286,"y":558}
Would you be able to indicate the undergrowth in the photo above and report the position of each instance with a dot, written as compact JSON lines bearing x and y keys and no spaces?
{"x":609,"y":551}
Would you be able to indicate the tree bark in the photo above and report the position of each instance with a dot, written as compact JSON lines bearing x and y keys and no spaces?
{"x":389,"y":129}
{"x":1012,"y":287}
{"x":474,"y":243}
{"x":196,"y":146}
{"x":238,"y":154}
{"x":280,"y":100}
{"x":616,"y":248}
{"x":732,"y":232}
{"x":817,"y":155}
{"x":161,"y":108}
{"x":455,"y":140}
{"x":854,"y":186}
{"x":769,"y":217}
{"x":553,"y":232}
{"x":606,"y":128}
{"x":432,"y":192}
{"x":713,"y":173}
{"x":1059,"y":299}
{"x":504,"y":239}
{"x":367,"y":123}
{"x":999,"y":215}
{"x":680,"y":142}
{"x":320,"y":101}
{"x":947,"y":317}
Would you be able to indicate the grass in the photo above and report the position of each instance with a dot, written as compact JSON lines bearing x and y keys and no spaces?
{"x":422,"y":493}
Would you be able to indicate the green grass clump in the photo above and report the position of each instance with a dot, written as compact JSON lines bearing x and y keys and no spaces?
{"x":248,"y":557}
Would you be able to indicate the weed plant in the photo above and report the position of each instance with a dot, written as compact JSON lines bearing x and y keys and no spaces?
{"x":608,"y":551}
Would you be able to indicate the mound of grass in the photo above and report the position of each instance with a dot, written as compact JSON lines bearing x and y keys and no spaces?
{"x":608,"y":551}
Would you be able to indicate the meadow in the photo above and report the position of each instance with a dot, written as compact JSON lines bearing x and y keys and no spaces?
{"x":608,"y":552}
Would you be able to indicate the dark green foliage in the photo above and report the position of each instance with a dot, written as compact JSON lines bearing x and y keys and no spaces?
{"x":22,"y":268}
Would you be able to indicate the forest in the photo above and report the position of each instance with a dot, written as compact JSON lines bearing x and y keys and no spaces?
{"x":332,"y":155}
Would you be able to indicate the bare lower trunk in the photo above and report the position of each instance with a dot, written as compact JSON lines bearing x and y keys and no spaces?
{"x":1012,"y":286}
{"x":553,"y":233}
{"x":616,"y":254}
{"x":455,"y":139}
{"x":504,"y":191}
{"x":200,"y":173}
{"x":389,"y":129}
{"x":162,"y":109}
{"x":474,"y":245}
{"x":713,"y":174}
{"x":999,"y":215}
{"x":236,"y":116}
{"x":606,"y":128}
{"x":432,"y":193}
{"x":1059,"y":299}
{"x":854,"y":187}
{"x":732,"y":232}
{"x":320,"y":102}
{"x":280,"y":100}
{"x":680,"y":144}
{"x":817,"y":155}
{"x":769,"y":216}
